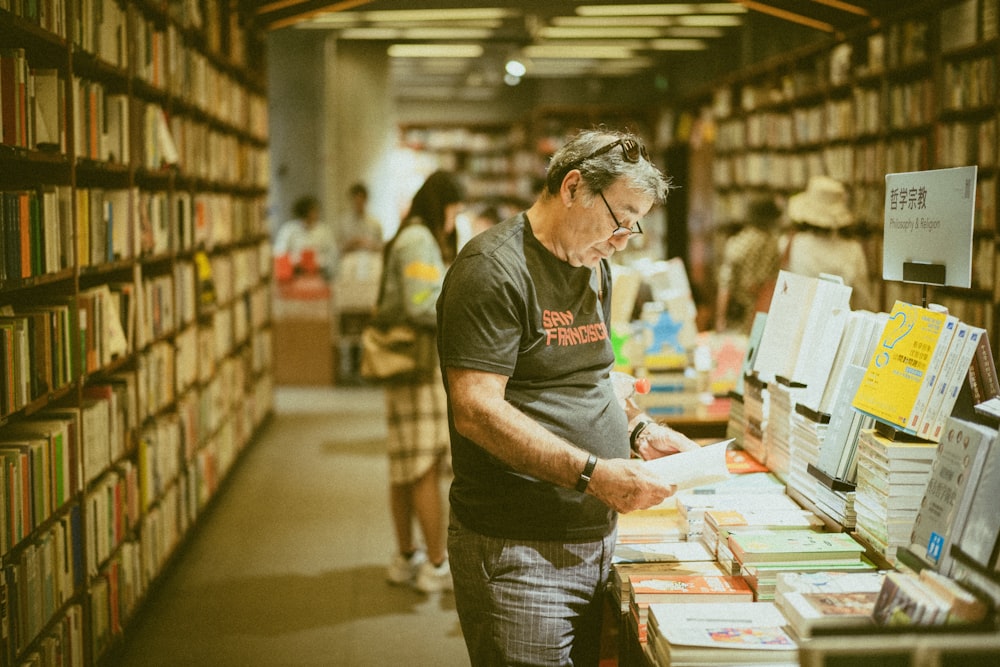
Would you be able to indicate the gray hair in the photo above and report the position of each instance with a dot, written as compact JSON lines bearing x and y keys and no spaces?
{"x":600,"y":171}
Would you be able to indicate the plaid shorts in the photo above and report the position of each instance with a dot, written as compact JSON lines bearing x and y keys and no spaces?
{"x":418,"y":429}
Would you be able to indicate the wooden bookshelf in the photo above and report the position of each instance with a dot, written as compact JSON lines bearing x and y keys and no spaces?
{"x":135,"y":315}
{"x":917,"y":92}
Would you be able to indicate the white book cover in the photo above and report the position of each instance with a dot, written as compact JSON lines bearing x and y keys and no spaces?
{"x":842,"y":415}
{"x":756,"y":626}
{"x":786,"y":322}
{"x":981,"y":526}
{"x":821,"y":338}
{"x":959,"y":459}
{"x":853,"y":330}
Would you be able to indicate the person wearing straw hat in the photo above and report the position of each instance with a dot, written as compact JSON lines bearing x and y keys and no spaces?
{"x":821,"y":240}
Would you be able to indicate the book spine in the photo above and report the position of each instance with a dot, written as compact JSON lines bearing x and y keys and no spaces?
{"x":933,"y":374}
{"x":960,"y":374}
{"x":947,"y":375}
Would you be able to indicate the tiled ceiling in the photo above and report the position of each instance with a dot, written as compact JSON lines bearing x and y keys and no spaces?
{"x":450,"y":49}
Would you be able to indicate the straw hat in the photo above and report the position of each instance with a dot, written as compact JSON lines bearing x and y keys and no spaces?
{"x":823,"y":204}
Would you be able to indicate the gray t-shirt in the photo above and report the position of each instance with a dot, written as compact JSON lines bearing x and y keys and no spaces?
{"x":510,"y":307}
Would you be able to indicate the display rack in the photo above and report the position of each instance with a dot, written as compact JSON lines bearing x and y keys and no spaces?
{"x":134,"y":301}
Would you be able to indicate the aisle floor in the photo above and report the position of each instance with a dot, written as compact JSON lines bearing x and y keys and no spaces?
{"x":287,"y":568}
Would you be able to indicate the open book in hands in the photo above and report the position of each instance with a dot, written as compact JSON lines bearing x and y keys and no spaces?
{"x":705,"y":465}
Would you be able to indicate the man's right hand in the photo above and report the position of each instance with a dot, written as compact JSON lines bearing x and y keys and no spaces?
{"x":626,"y":485}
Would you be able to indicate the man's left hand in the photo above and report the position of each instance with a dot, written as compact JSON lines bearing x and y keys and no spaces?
{"x":658,"y":440}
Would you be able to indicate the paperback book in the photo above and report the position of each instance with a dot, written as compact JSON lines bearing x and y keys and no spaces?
{"x":794,"y":546}
{"x":721,"y":633}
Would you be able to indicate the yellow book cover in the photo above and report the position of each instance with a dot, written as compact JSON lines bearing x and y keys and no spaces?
{"x":899,"y":364}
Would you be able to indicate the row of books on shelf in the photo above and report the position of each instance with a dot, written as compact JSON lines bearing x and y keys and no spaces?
{"x":132,"y":513}
{"x":857,"y":162}
{"x":866,"y":112}
{"x":37,"y":226}
{"x":160,"y":57}
{"x":39,"y":582}
{"x":44,"y":348}
{"x":162,"y":61}
{"x":34,"y":104}
{"x":969,"y":84}
{"x":902,"y":44}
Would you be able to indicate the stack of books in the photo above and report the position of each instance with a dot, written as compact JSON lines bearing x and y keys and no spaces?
{"x":736,"y":425}
{"x":756,"y":491}
{"x":755,"y":410}
{"x":732,"y":633}
{"x":829,"y":600}
{"x":656,"y":524}
{"x":892,"y":479}
{"x":709,"y":589}
{"x":689,"y":558}
{"x":778,"y":433}
{"x":763,"y":555}
{"x":808,"y":431}
{"x":720,"y":523}
{"x":838,"y":505}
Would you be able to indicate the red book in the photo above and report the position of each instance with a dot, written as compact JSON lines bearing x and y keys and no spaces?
{"x":24,"y":213}
{"x":8,"y":92}
{"x":689,"y":588}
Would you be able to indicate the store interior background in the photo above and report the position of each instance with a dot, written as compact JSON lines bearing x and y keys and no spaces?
{"x":338,"y":100}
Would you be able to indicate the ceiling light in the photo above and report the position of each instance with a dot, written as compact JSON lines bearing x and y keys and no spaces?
{"x":710,"y":21}
{"x":694,"y":32}
{"x":573,"y":51}
{"x":435,"y":51}
{"x":678,"y":45}
{"x":490,"y":25}
{"x":440,"y":14}
{"x":669,"y":9}
{"x":331,"y":20}
{"x":591,"y":21}
{"x":446,"y":33}
{"x":386,"y":34}
{"x":556,"y":32}
{"x":515,"y":67}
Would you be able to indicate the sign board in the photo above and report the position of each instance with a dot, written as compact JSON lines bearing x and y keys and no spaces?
{"x":928,"y":226}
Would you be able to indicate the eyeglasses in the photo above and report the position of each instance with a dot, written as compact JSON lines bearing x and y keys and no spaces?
{"x":621,"y":230}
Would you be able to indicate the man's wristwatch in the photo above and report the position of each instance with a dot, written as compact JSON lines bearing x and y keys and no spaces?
{"x":636,"y":432}
{"x":588,"y":470}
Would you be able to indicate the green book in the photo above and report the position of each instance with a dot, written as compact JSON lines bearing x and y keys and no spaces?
{"x":793,"y":545}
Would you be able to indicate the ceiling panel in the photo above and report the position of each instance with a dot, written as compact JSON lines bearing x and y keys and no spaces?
{"x":556,"y":38}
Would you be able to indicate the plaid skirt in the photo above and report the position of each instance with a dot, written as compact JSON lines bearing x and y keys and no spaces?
{"x":418,"y":429}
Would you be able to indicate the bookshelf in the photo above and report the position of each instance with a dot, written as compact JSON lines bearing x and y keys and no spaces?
{"x":492,"y":160}
{"x":918,"y":92}
{"x":503,"y":162}
{"x":135,"y":339}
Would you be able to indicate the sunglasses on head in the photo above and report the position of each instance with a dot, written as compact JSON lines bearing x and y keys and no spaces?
{"x":632,"y":151}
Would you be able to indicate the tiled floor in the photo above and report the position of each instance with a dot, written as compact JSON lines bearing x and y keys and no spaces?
{"x":287,"y":568}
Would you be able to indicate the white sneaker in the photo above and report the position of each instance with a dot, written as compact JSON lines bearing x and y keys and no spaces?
{"x":402,"y":570}
{"x":431,"y":579}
